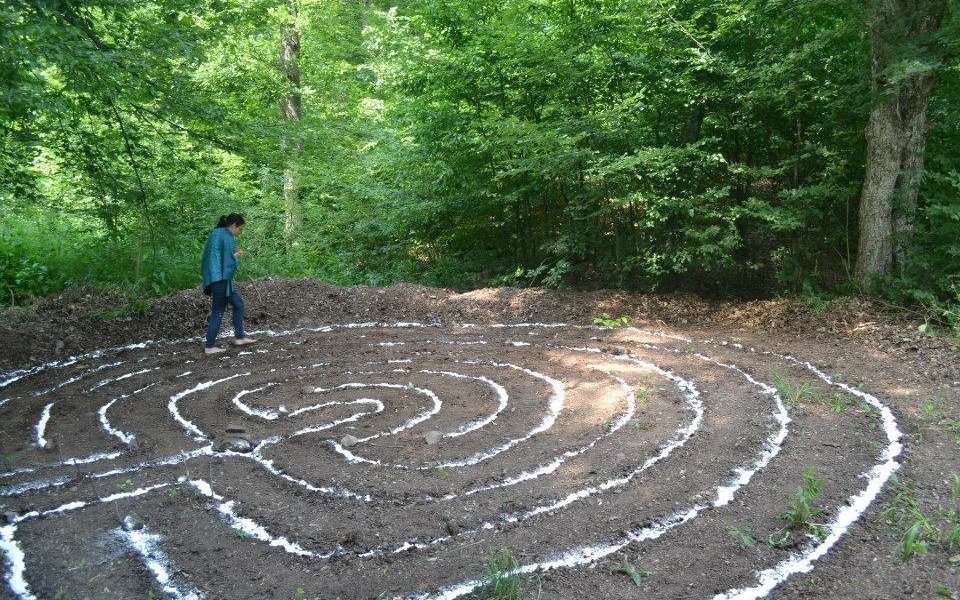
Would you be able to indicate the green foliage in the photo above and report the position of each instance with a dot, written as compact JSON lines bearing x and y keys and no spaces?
{"x":781,"y":538}
{"x":839,"y":403}
{"x":642,"y":145}
{"x":636,"y":575}
{"x":609,"y":322}
{"x":504,"y":580}
{"x":792,"y":394}
{"x":919,"y":530}
{"x":803,"y":515}
{"x":743,"y":536}
{"x":944,"y":590}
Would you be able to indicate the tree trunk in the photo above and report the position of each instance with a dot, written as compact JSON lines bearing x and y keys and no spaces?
{"x":914,"y":147}
{"x":895,"y":134}
{"x":290,"y":107}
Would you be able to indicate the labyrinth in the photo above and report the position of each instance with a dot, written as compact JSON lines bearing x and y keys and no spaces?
{"x":392,"y":460}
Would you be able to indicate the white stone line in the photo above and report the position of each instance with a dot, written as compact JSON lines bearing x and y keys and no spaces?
{"x":409,"y":423}
{"x":147,"y":545}
{"x":878,"y":477}
{"x":378,"y":408}
{"x":126,"y":438}
{"x":109,"y":380}
{"x":413,"y":421}
{"x":15,"y":557}
{"x":166,"y":461}
{"x":10,"y":377}
{"x":529,"y":326}
{"x":355,"y":459}
{"x":502,"y":397}
{"x":76,"y":378}
{"x":198,"y":436}
{"x":15,"y":563}
{"x":4,"y":402}
{"x":86,"y":460}
{"x":252,"y":528}
{"x":590,"y":554}
{"x":79,"y":504}
{"x":679,"y":439}
{"x":257,"y":456}
{"x":553,"y":465}
{"x":41,"y":426}
{"x":29,"y":486}
{"x":263,"y":413}
{"x":848,"y":514}
{"x":415,"y":544}
{"x":554,"y":405}
{"x":174,"y":459}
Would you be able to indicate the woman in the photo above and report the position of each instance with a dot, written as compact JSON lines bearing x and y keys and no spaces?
{"x":217,"y":268}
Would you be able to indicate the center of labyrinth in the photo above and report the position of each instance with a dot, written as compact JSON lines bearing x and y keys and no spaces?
{"x":373,"y":460}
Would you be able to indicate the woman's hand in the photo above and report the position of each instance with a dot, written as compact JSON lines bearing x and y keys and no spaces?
{"x":237,"y":253}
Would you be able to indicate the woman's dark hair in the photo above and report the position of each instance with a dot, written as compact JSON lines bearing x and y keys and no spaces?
{"x":231,"y":219}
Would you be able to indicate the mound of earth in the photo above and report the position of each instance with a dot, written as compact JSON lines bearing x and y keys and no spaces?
{"x":397,"y":442}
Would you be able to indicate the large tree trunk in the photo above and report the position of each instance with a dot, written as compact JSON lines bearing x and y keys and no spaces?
{"x":290,"y":106}
{"x":895,"y":133}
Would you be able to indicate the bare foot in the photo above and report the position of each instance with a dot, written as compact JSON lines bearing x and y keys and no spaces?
{"x":213,"y":350}
{"x":244,"y":341}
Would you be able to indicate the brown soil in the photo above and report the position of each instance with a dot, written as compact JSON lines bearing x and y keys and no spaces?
{"x":400,"y":437}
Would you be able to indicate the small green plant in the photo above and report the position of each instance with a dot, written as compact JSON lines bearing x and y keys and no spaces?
{"x":780,"y":538}
{"x":9,"y":459}
{"x":944,"y":590}
{"x":744,"y":536}
{"x":439,"y":470}
{"x":867,"y":410}
{"x":126,"y":485}
{"x":905,"y":513}
{"x":607,"y":424}
{"x":642,"y":393}
{"x":504,"y":580}
{"x":803,"y":515}
{"x":792,"y":394}
{"x":609,"y":322}
{"x":914,"y":541}
{"x":953,"y":426}
{"x":636,"y":575}
{"x":932,"y":409}
{"x":838,"y":403}
{"x":300,"y":593}
{"x":173,"y":492}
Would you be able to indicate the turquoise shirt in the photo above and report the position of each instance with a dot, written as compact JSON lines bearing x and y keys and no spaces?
{"x":218,"y":262}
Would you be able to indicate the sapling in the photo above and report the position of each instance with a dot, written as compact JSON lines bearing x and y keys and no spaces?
{"x":636,"y":575}
{"x":504,"y":580}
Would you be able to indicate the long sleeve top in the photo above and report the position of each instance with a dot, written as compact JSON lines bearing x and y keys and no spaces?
{"x":218,"y":262}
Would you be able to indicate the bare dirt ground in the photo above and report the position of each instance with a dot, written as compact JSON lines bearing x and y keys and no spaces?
{"x":386,"y":442}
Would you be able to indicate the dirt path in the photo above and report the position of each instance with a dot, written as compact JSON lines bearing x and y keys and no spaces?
{"x":386,"y":442}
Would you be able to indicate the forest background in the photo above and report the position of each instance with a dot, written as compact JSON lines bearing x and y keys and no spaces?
{"x":741,"y":148}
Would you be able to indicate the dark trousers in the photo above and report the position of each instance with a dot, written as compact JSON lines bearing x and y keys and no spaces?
{"x":220,"y":300}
